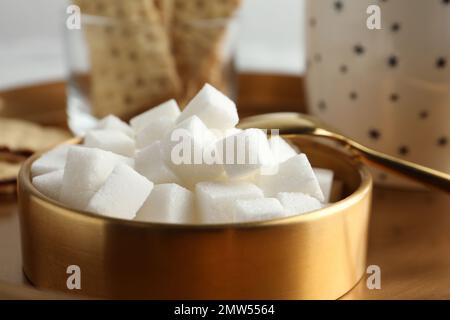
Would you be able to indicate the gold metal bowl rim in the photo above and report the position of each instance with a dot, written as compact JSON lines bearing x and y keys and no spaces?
{"x":334,"y":208}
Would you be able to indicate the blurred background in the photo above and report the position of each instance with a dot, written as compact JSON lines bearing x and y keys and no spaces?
{"x":31,"y":39}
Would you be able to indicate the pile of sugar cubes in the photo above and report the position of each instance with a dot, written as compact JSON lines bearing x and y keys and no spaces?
{"x":187,"y":167}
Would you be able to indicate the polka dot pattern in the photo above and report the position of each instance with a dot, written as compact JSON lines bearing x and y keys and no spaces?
{"x":376,"y":86}
{"x":392,"y":61}
{"x":394,"y":97}
{"x":395,"y":27}
{"x":442,"y":141}
{"x":374,"y":134}
{"x":423,"y":114}
{"x":403,"y":150}
{"x":441,"y":63}
{"x":359,"y":49}
{"x":338,"y":6}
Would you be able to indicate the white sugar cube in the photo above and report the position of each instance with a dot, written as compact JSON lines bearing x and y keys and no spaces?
{"x":154,"y":131}
{"x":167,"y":109}
{"x":50,"y":161}
{"x":245,"y":152}
{"x":123,"y":160}
{"x":49,"y":183}
{"x":231,"y":131}
{"x":325,"y":178}
{"x":257,"y":209}
{"x":215,"y":200}
{"x":281,"y":149}
{"x":110,"y":140}
{"x":295,"y":203}
{"x":85,"y":171}
{"x":150,"y":163}
{"x":226,"y":133}
{"x":185,"y":148}
{"x":122,"y":194}
{"x":215,"y":109}
{"x":168,"y":203}
{"x":293,"y":175}
{"x":192,"y":130}
{"x":112,"y":122}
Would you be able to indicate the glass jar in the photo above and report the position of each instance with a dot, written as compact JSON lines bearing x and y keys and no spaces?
{"x":132,"y":58}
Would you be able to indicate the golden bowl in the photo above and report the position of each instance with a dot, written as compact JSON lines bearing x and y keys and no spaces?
{"x":319,"y":255}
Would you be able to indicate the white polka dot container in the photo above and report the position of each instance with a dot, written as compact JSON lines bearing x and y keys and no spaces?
{"x":390,"y":88}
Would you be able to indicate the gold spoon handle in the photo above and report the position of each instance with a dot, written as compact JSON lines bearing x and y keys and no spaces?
{"x":422,"y":174}
{"x":419,"y":173}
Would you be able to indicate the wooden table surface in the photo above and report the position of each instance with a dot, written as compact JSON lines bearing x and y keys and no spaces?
{"x":409,"y":232}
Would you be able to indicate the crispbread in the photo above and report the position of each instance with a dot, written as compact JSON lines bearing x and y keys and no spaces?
{"x":197,"y":31}
{"x":131,"y":64}
{"x":9,"y":172}
{"x":22,"y":138}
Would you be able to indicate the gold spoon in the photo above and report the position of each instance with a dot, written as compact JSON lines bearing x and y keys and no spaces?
{"x":292,"y":123}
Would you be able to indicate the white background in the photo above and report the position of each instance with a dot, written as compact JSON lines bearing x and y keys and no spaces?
{"x":31,"y":50}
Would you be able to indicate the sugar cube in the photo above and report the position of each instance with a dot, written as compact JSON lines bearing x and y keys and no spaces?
{"x":129,"y":161}
{"x":293,"y":175}
{"x":231,"y":131}
{"x":150,"y":163}
{"x":110,"y":140}
{"x":155,"y":130}
{"x":215,"y":109}
{"x":185,"y":148}
{"x":112,"y":122}
{"x":52,"y":160}
{"x":168,"y":203}
{"x":325,"y":178}
{"x":281,"y":149}
{"x":122,"y":194}
{"x":257,"y":209}
{"x":245,"y":152}
{"x":50,"y":183}
{"x":167,"y":109}
{"x":226,"y":133}
{"x":215,"y":200}
{"x":85,"y":171}
{"x":295,"y":203}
